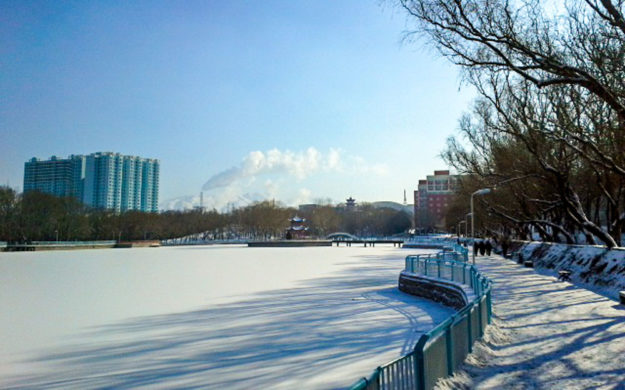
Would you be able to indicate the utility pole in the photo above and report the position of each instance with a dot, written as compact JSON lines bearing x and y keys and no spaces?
{"x":482,"y":191}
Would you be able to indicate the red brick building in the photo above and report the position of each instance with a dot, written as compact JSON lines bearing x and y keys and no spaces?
{"x":432,"y":198}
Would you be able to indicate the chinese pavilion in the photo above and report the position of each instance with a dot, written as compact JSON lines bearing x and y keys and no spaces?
{"x":297,"y":229}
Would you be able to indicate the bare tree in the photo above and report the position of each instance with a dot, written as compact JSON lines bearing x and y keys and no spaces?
{"x":584,"y":47}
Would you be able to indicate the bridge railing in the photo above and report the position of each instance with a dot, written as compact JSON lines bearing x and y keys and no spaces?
{"x":441,"y":350}
{"x":188,"y":241}
{"x":430,"y":238}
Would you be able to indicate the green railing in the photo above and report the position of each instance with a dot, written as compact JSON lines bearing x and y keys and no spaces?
{"x":441,"y":350}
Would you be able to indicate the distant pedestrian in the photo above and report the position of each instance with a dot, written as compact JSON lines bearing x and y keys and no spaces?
{"x":488,"y":247}
{"x":504,"y":246}
{"x":475,"y":248}
{"x":482,"y":247}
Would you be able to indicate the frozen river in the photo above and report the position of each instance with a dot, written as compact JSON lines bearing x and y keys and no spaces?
{"x":205,"y":317}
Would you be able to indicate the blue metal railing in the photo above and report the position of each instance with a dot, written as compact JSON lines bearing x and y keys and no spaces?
{"x":441,"y":350}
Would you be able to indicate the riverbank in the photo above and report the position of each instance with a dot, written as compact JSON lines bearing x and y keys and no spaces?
{"x":56,"y":246}
{"x":288,"y":243}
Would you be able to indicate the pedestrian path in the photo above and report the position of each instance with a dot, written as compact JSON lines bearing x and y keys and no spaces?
{"x":550,"y":335}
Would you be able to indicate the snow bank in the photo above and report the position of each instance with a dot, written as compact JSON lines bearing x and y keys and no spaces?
{"x":594,"y":267}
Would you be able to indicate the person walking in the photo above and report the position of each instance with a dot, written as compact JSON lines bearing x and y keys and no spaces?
{"x":488,"y":246}
{"x":482,"y":248}
{"x":505,"y":243}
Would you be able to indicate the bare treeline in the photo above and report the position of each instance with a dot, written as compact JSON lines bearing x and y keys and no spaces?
{"x":36,"y":216}
{"x":548,"y":128}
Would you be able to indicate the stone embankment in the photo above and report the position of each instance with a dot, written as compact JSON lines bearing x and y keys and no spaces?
{"x":437,"y":290}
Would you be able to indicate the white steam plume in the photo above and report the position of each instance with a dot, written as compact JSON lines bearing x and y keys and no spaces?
{"x":299,"y":165}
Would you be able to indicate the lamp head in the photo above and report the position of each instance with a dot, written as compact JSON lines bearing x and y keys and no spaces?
{"x":482,"y":191}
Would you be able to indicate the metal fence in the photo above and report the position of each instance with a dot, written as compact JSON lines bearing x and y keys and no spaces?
{"x":441,"y":350}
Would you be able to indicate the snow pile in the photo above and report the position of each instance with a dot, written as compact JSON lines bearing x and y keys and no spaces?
{"x":548,"y":335}
{"x":595,"y":267}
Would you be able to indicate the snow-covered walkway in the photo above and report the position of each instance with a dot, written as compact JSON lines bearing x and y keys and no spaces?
{"x":551,"y":335}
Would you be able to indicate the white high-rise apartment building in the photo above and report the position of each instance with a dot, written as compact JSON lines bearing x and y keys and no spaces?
{"x":101,"y":180}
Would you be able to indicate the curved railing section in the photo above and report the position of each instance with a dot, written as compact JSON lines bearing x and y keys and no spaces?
{"x":439,"y":352}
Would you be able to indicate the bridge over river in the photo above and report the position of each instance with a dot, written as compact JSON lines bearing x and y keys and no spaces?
{"x":349,"y":239}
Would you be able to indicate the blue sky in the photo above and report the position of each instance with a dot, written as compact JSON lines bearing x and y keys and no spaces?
{"x":293,"y":100}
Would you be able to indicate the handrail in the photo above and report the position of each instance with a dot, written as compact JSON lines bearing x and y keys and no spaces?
{"x":442,"y":349}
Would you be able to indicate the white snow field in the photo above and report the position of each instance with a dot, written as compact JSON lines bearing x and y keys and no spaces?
{"x":550,"y":335}
{"x":220,"y":317}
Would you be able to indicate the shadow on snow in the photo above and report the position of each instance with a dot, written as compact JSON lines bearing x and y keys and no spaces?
{"x":323,"y":333}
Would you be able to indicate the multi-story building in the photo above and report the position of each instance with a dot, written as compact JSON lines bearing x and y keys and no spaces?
{"x":101,"y":180}
{"x":60,"y":177}
{"x":432,"y":198}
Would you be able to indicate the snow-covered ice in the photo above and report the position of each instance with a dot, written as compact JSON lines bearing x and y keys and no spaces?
{"x":205,"y":317}
{"x":549,"y":335}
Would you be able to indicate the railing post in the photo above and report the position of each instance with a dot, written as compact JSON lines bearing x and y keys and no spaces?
{"x":377,"y":375}
{"x":470,"y":331}
{"x":480,"y":329}
{"x":419,"y":350}
{"x":489,"y":307}
{"x":449,"y":341}
{"x":476,"y":285}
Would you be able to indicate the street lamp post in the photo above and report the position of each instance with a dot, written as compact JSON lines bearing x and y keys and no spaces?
{"x":482,"y":191}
